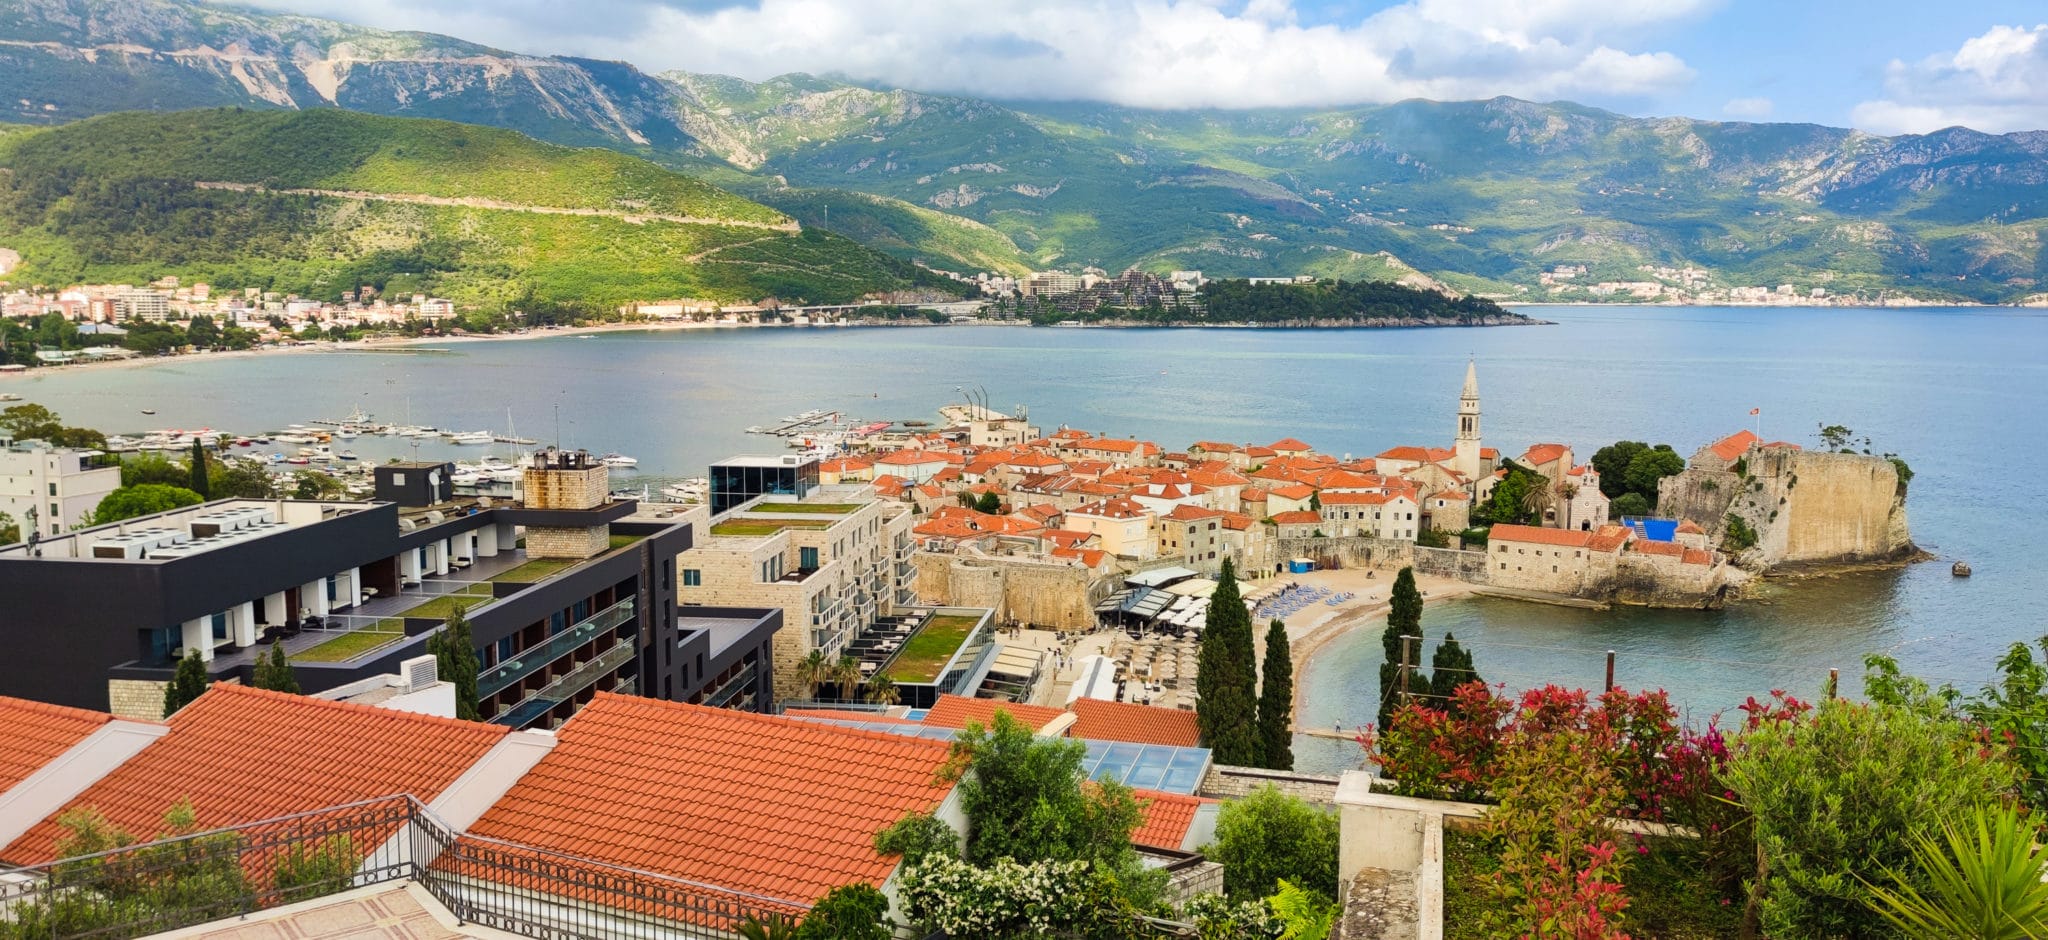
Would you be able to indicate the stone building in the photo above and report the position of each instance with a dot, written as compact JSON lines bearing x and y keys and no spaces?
{"x":832,"y":562}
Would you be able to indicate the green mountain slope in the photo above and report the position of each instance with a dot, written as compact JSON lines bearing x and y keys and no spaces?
{"x":1482,"y":195}
{"x":319,"y":202}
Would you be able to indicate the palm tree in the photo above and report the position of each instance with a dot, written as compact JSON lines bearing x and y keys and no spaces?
{"x":814,"y":669}
{"x":882,"y":690}
{"x":846,"y":675}
{"x":1535,"y":500}
{"x":1566,"y":493}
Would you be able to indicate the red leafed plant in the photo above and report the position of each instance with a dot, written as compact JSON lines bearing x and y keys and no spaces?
{"x":1560,"y":873}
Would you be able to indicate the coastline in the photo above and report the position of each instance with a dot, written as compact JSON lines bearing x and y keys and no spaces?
{"x":1308,"y":634}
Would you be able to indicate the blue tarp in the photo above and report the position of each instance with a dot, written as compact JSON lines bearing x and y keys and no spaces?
{"x":1655,"y":530}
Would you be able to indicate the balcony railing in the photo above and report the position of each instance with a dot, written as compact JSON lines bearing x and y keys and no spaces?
{"x":231,"y":873}
{"x":575,"y":680}
{"x":500,"y":677}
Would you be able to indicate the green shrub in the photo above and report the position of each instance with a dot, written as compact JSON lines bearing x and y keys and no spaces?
{"x":1838,"y":797}
{"x":848,"y":912}
{"x":315,"y":870}
{"x":1739,"y":535}
{"x":1268,"y":836}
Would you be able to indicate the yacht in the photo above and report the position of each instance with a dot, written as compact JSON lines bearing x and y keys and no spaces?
{"x":686,"y":491}
{"x":469,"y":437}
{"x":619,"y":460}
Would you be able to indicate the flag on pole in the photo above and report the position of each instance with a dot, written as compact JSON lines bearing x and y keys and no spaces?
{"x":1756,"y":411}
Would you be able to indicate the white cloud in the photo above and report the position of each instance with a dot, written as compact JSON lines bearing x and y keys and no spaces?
{"x":1748,"y":109}
{"x":1996,"y":82}
{"x":1153,"y":53}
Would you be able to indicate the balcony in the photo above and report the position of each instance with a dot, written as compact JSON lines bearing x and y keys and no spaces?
{"x":576,"y":680}
{"x":502,"y":676}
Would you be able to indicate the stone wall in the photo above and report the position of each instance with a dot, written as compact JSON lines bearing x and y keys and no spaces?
{"x":1225,"y":782}
{"x":1348,"y":551}
{"x":567,"y":541}
{"x":1040,"y":594}
{"x":566,"y":489}
{"x":138,"y":699}
{"x":1807,"y":507}
{"x":1451,"y":563}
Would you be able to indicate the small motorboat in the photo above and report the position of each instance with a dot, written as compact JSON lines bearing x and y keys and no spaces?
{"x":348,"y":455}
{"x":619,"y":460}
{"x":149,"y":411}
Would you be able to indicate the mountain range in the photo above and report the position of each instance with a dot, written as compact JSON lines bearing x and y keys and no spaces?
{"x":1486,"y":196}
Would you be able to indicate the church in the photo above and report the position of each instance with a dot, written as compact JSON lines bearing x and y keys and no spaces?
{"x":1464,"y":475}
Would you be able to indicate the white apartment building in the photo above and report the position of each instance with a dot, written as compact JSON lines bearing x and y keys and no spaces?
{"x":63,"y":486}
{"x":833,"y":562}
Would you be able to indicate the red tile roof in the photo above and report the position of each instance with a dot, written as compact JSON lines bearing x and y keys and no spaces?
{"x":953,"y":711}
{"x":1119,"y":508}
{"x":1297,"y":517}
{"x":1098,"y":720}
{"x":1569,"y":538}
{"x":1415,"y":454}
{"x":756,"y":803}
{"x":1696,"y":556}
{"x":1689,"y":527}
{"x":1288,"y":443}
{"x":33,"y":734}
{"x":1648,"y":547}
{"x":1456,"y":495}
{"x":242,"y":755}
{"x":1166,"y":820}
{"x":1734,"y":445}
{"x":1610,"y":537}
{"x":1541,"y":454}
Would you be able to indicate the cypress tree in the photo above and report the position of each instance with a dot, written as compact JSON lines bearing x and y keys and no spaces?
{"x":200,"y":484}
{"x":1276,"y":700}
{"x":275,"y":673}
{"x":188,"y":683}
{"x":1225,"y":688}
{"x":1404,"y":618}
{"x":1450,"y":667}
{"x":455,"y":659}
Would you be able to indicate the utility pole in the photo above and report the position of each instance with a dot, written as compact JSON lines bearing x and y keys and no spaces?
{"x":1407,"y":665}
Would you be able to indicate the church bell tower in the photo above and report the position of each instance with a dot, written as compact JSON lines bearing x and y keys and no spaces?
{"x":1467,"y":459}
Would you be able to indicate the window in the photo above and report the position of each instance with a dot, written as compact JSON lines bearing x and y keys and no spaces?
{"x":398,"y":479}
{"x":53,"y":489}
{"x":808,"y":558}
{"x":693,"y":578}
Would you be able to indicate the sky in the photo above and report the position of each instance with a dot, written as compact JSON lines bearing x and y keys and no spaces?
{"x":1885,"y":66}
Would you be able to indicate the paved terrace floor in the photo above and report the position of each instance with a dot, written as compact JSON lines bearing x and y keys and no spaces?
{"x":376,"y":608}
{"x":381,"y":912}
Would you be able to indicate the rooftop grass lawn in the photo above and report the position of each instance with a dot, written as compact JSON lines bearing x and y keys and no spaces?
{"x":923,"y":655}
{"x":535,"y":571}
{"x":443,"y":607}
{"x":619,"y":541}
{"x":751,"y":526}
{"x":822,"y":509}
{"x":347,"y":646}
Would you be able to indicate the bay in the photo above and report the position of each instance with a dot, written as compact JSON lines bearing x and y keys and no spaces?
{"x":1959,"y":392}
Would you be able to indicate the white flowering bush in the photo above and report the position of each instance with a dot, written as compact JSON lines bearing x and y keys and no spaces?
{"x":1009,"y":901}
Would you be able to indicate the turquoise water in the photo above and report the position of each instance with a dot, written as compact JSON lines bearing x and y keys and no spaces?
{"x":1959,"y":392}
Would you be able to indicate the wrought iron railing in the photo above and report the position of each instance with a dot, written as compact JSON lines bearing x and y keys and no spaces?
{"x":134,"y":891}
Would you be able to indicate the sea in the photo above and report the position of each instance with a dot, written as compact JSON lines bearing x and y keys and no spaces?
{"x":1960,"y":393}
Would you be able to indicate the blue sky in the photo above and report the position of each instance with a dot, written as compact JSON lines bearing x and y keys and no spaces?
{"x":1887,"y":66}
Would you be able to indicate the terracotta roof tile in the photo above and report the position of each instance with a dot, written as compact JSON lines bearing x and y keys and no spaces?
{"x":242,"y":755}
{"x":1166,"y":818}
{"x":1569,"y":538}
{"x":1649,"y":547}
{"x":34,"y":733}
{"x":1288,"y":443}
{"x":1297,"y":517}
{"x":1541,"y":454}
{"x":1415,"y":454}
{"x":1689,"y":527}
{"x":1734,"y":445}
{"x":1098,"y":720}
{"x":953,"y":711}
{"x":756,"y":803}
{"x":1696,"y":556}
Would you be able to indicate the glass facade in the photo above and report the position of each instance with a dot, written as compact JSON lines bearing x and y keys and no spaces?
{"x":736,"y":482}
